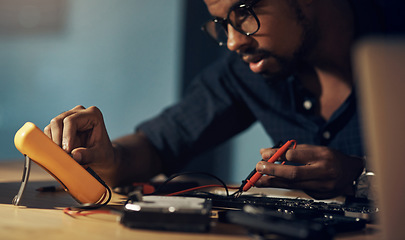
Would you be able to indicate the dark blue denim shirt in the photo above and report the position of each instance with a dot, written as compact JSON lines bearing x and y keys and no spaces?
{"x":227,"y":98}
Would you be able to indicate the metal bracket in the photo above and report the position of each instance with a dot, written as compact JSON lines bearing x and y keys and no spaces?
{"x":26,"y":175}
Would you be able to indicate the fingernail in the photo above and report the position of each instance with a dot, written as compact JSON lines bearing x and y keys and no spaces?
{"x":260,"y":167}
{"x":266,"y":155}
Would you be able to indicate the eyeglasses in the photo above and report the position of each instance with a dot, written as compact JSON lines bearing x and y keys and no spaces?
{"x":240,"y":16}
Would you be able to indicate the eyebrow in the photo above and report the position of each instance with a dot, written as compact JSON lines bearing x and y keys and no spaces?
{"x":232,"y":6}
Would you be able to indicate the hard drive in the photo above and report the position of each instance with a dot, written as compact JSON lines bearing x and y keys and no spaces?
{"x":171,"y":213}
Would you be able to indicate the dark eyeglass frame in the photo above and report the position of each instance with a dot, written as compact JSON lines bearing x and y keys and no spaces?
{"x":223,"y":22}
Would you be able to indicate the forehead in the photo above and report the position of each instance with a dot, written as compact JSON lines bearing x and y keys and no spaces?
{"x":219,"y":8}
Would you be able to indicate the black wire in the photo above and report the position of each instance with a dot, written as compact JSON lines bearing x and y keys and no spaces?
{"x":109,"y":194}
{"x":92,"y":206}
{"x":159,"y":189}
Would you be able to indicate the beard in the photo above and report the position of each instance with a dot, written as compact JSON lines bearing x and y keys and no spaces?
{"x":288,"y":65}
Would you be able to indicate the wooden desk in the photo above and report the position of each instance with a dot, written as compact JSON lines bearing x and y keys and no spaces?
{"x":40,"y":215}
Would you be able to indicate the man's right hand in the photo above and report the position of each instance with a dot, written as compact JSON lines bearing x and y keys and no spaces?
{"x":82,"y":133}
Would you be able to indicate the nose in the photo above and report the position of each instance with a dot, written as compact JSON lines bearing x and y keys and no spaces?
{"x":236,"y":40}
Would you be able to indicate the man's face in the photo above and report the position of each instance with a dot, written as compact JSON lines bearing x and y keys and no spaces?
{"x":283,"y":39}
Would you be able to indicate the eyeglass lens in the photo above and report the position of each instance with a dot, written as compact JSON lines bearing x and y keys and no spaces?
{"x":243,"y":20}
{"x":240,"y":17}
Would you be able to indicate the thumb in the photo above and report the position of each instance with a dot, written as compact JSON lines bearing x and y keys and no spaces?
{"x":83,"y":156}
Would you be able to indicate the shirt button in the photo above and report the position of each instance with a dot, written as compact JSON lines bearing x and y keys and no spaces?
{"x":307,"y":104}
{"x":326,"y":135}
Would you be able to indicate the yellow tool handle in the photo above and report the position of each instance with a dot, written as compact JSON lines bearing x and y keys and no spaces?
{"x":32,"y":142}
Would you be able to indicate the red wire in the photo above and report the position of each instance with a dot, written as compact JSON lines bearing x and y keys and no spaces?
{"x":73,"y":213}
{"x":199,"y":187}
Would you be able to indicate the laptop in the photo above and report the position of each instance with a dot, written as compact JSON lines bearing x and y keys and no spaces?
{"x":379,"y":65}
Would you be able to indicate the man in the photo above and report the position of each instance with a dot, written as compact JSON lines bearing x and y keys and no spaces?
{"x":290,"y":70}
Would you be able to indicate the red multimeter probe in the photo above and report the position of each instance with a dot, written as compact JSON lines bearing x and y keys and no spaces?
{"x":254,"y":175}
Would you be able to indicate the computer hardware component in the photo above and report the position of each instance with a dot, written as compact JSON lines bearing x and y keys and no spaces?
{"x":172,"y":213}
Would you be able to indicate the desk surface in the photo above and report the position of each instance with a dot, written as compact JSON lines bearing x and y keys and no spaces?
{"x":40,"y":215}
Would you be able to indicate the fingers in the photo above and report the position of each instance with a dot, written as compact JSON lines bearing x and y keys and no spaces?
{"x":266,"y":153}
{"x":291,"y":172}
{"x":84,"y":156}
{"x":322,"y":171}
{"x":55,"y":128}
{"x":313,"y":162}
{"x":312,"y":169}
{"x":68,"y":128}
{"x":84,"y":121}
{"x":77,"y":154}
{"x":305,"y":154}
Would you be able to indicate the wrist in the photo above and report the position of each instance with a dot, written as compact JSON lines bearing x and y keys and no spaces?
{"x":115,"y":165}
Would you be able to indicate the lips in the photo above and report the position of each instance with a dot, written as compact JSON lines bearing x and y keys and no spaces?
{"x":252,"y":58}
{"x":256,"y":62}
